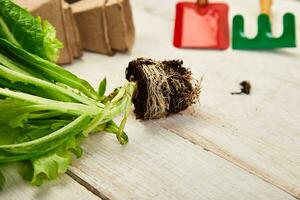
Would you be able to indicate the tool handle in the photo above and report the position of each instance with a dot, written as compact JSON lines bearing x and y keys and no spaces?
{"x":202,"y":2}
{"x":265,"y":6}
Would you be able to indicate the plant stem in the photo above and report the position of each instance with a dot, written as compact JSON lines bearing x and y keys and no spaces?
{"x":15,"y":76}
{"x":48,"y":104}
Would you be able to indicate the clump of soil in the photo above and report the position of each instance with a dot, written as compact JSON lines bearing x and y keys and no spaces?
{"x":164,"y":87}
{"x":245,"y":88}
{"x":71,"y":1}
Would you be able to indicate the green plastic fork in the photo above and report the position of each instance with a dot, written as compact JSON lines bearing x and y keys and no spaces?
{"x":264,"y":38}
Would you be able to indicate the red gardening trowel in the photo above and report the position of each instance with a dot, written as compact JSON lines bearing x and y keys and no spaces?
{"x":201,"y":25}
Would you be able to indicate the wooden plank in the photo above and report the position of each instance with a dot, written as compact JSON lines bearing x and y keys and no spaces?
{"x":157,"y":164}
{"x":259,"y":133}
{"x":63,"y":188}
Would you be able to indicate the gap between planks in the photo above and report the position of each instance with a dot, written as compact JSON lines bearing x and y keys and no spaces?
{"x":208,"y":146}
{"x":87,"y":185}
{"x":218,"y":151}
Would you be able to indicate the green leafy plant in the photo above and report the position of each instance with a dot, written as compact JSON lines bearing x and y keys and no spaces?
{"x":43,"y":119}
{"x":47,"y":111}
{"x":19,"y":27}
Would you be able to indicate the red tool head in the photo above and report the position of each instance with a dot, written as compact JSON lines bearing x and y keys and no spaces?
{"x":201,"y":26}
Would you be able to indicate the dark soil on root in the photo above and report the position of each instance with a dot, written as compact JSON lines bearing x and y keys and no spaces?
{"x":163,"y":87}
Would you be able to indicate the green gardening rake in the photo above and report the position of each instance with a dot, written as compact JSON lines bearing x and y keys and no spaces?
{"x":264,"y":38}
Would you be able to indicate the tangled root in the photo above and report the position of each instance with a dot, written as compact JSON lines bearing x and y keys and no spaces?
{"x":163,"y":87}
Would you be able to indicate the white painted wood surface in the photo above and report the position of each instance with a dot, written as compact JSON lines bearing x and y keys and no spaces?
{"x":259,"y":133}
{"x":157,"y":164}
{"x":64,"y":188}
{"x":252,"y":142}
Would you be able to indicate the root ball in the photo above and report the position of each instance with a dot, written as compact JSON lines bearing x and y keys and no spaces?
{"x":163,"y":87}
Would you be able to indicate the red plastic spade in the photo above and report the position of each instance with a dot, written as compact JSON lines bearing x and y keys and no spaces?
{"x":201,"y":25}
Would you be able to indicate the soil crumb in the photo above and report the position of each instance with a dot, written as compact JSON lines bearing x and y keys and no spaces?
{"x":245,"y":88}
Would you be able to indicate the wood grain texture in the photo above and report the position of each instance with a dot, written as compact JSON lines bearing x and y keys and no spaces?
{"x":228,"y":147}
{"x":260,"y":132}
{"x":158,"y":164}
{"x":64,"y":188}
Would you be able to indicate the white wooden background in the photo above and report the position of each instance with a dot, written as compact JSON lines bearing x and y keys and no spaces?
{"x":227,"y":147}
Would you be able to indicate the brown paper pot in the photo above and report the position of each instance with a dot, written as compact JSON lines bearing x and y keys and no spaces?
{"x":120,"y":24}
{"x":105,"y":26}
{"x":72,"y":32}
{"x":92,"y":25}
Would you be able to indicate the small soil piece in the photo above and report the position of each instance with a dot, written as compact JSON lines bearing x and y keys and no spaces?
{"x":71,"y":1}
{"x":163,"y":87}
{"x":245,"y":88}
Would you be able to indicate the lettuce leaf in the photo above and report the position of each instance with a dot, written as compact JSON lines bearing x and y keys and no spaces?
{"x":51,"y":43}
{"x":49,"y":142}
{"x":52,"y":164}
{"x":102,"y":88}
{"x":17,"y":80}
{"x":19,"y":27}
{"x":14,"y":112}
{"x":46,"y":69}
